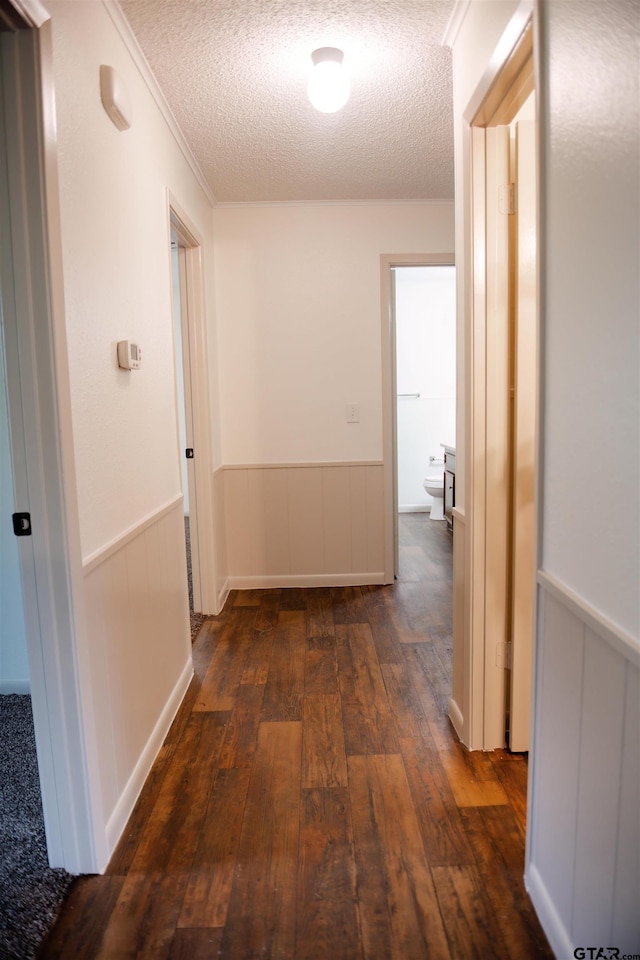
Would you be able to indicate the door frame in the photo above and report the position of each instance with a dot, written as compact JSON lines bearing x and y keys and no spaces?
{"x":197,"y":403}
{"x":506,"y":84}
{"x":44,"y":468}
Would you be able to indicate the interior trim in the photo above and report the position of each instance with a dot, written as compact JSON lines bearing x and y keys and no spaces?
{"x":621,"y":641}
{"x":316,"y":464}
{"x":128,"y":38}
{"x":305,"y":580}
{"x":401,"y":202}
{"x":127,"y":799}
{"x":113,"y":546}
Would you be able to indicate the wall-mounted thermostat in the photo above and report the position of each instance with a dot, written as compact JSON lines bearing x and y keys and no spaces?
{"x":129,"y":355}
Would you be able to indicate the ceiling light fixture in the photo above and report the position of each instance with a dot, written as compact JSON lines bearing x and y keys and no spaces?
{"x":328,"y":87}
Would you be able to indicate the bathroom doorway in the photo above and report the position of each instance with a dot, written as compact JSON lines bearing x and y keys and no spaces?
{"x":425,"y":326}
{"x":416,"y":405}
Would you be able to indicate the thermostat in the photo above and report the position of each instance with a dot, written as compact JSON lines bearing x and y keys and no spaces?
{"x":129,"y":355}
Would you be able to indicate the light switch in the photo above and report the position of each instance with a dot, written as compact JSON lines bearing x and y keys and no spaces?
{"x":353,"y":413}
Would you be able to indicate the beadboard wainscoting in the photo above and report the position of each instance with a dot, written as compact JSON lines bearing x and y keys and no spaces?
{"x":304,"y":524}
{"x":137,"y":614}
{"x":583,"y":863}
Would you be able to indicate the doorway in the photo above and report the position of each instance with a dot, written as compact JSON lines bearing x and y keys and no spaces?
{"x":425,"y":331}
{"x":40,"y":468}
{"x":502,"y":408}
{"x":391,"y":386}
{"x":185,"y":420}
{"x":192,"y":405}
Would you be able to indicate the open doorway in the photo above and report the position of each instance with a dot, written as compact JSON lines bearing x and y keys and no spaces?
{"x":192,"y":404}
{"x":38,"y":470}
{"x":418,"y":338}
{"x":185,"y":423}
{"x":425,"y":330}
{"x":501,"y":414}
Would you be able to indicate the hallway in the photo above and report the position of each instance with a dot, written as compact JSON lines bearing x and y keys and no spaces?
{"x":311,"y":800}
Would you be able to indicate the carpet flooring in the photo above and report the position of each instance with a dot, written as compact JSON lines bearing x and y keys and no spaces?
{"x":31,"y":893}
{"x":197,"y":619}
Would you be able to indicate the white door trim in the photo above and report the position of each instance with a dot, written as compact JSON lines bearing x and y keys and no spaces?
{"x":389,"y":399}
{"x":44,"y":464}
{"x":496,"y":100}
{"x":196,"y":356}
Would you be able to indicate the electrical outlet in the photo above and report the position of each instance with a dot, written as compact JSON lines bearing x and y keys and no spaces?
{"x":353,"y":413}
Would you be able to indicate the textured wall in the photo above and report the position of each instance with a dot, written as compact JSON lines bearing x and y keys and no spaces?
{"x":592,"y":335}
{"x":298,"y":305}
{"x":117,"y":280}
{"x":117,"y":277}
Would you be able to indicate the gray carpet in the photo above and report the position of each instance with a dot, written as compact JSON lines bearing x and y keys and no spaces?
{"x":30,"y":892}
{"x":197,"y":619}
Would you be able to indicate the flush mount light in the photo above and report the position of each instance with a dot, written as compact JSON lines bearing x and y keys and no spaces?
{"x":328,"y":87}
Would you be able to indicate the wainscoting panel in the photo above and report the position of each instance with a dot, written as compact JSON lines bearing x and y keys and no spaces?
{"x":304,"y":524}
{"x":137,"y":614}
{"x":583,"y":868}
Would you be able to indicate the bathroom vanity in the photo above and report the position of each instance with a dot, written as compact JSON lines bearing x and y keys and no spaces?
{"x":449,"y":483}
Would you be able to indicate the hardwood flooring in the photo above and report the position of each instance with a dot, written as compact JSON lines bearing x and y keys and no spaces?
{"x":311,"y":800}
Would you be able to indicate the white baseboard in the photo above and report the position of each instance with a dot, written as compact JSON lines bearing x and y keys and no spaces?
{"x":555,"y":931}
{"x":414,"y":508}
{"x":223,"y":593}
{"x":126,"y":802}
{"x":21,"y":687}
{"x":310,"y":580}
{"x":455,"y":715}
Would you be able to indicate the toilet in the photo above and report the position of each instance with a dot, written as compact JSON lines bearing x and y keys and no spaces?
{"x":434,"y":485}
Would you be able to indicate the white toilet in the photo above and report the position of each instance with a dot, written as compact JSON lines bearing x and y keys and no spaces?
{"x":434,"y":485}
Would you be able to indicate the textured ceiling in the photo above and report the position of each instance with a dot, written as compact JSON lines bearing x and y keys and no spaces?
{"x":234,"y":73}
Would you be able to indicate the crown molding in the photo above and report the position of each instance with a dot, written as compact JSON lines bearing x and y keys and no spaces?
{"x":226,"y":204}
{"x":128,"y":37}
{"x":456,"y":19}
{"x":31,"y":12}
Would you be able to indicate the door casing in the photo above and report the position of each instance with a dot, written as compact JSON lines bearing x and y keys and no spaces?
{"x":197,"y":407}
{"x":482,"y":568}
{"x":42,"y":446}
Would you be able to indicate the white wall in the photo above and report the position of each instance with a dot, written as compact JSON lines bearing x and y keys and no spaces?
{"x":117,"y":279}
{"x":298,"y":305}
{"x":592,"y":328}
{"x":586,"y":770}
{"x":425,"y":364}
{"x":300,"y":336}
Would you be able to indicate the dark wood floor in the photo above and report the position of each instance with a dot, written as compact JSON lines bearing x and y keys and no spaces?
{"x":311,"y":800}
